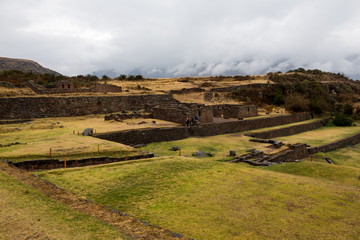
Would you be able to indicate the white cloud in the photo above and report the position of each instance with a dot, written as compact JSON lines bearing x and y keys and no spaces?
{"x":183,"y":37}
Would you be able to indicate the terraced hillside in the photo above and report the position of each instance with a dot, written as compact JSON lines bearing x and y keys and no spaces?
{"x":210,"y":198}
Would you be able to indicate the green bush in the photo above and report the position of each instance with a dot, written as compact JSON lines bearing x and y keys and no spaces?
{"x":121,"y":77}
{"x":297,"y":103}
{"x":342,"y":120}
{"x":279,"y":99}
{"x":348,"y":109}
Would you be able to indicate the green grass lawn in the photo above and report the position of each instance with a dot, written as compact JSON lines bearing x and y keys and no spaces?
{"x":321,"y":136}
{"x":286,"y":125}
{"x":25,"y":213}
{"x":207,"y":199}
{"x":220,"y":145}
{"x":347,"y":156}
{"x":321,"y":170}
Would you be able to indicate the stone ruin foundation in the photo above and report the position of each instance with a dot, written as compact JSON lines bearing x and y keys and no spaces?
{"x":178,"y":113}
{"x":235,"y":111}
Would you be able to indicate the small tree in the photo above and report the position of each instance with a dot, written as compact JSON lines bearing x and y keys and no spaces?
{"x":121,"y":77}
{"x":279,"y":99}
{"x":297,"y":103}
{"x":131,"y":77}
{"x":105,"y":77}
{"x":139,"y":77}
{"x":348,"y":109}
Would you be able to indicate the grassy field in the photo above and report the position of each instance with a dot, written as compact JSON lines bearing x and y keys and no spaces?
{"x":36,"y":138}
{"x":347,"y":156}
{"x":25,"y":213}
{"x":321,"y":170}
{"x":321,"y":136}
{"x":208,"y":199}
{"x":286,"y":125}
{"x":219,"y":145}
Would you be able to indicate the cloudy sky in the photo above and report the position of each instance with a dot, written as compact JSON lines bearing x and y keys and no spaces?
{"x":183,"y":37}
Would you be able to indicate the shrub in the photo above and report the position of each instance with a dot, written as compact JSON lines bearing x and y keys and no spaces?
{"x":131,"y":77}
{"x":342,"y":120}
{"x":279,"y":99}
{"x":348,"y":109}
{"x":297,"y":103}
{"x":121,"y":77}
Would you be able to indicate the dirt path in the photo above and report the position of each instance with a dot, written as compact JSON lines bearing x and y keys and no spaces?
{"x":126,"y":224}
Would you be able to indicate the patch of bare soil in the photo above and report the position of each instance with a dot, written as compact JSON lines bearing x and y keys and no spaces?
{"x":125,"y":223}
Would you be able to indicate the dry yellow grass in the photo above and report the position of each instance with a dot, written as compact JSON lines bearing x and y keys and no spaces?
{"x":15,"y":92}
{"x":147,"y":86}
{"x":167,"y":84}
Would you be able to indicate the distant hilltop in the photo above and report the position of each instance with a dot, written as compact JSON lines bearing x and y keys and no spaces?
{"x":24,"y":65}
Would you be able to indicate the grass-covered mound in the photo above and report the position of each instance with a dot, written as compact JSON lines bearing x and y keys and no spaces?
{"x":208,"y":199}
{"x":25,"y":213}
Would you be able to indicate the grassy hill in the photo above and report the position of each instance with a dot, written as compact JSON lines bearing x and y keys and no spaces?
{"x":24,"y":65}
{"x":207,"y":199}
{"x":26,"y":213}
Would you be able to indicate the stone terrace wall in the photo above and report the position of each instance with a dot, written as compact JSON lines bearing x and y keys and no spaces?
{"x":234,"y":111}
{"x":238,"y":87}
{"x":187,"y":90}
{"x":99,"y":88}
{"x":350,"y":141}
{"x":39,"y":107}
{"x":55,"y":163}
{"x":180,"y":112}
{"x":287,"y":131}
{"x":145,"y":136}
{"x":296,"y":152}
{"x":106,"y":88}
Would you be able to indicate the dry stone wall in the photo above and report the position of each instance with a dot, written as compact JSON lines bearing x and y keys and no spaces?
{"x":287,"y":131}
{"x":39,"y":107}
{"x":68,"y":87}
{"x":145,"y":136}
{"x":296,"y":152}
{"x":55,"y":163}
{"x":239,"y":87}
{"x":235,"y":111}
{"x":350,"y":141}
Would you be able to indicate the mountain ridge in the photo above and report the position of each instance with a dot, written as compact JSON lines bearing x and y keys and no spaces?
{"x":24,"y":65}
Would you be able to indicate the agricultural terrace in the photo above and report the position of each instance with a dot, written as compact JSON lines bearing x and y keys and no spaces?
{"x":210,"y":198}
{"x":207,"y":199}
{"x":29,"y":214}
{"x":33,"y":140}
{"x":322,"y":136}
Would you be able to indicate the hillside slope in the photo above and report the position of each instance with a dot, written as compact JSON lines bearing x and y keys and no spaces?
{"x":24,"y":65}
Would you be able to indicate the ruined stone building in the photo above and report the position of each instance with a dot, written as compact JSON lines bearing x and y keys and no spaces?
{"x":235,"y":111}
{"x":64,"y":84}
{"x":178,"y":113}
